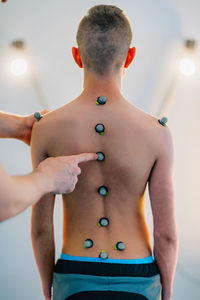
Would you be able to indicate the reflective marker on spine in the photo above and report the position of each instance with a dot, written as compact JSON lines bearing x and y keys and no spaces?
{"x":103,"y":190}
{"x":88,"y":243}
{"x":100,"y":128}
{"x":103,"y":222}
{"x":101,"y":100}
{"x":120,"y":246}
{"x":103,"y":254}
{"x":163,"y":121}
{"x":37,"y":116}
{"x":101,"y":156}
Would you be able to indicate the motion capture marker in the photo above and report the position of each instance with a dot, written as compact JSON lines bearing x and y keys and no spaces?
{"x":163,"y":121}
{"x":101,"y":156}
{"x":88,"y":243}
{"x":100,"y":128}
{"x":103,"y":222}
{"x":103,"y":254}
{"x":37,"y":116}
{"x":120,"y":246}
{"x":101,"y":100}
{"x":103,"y":190}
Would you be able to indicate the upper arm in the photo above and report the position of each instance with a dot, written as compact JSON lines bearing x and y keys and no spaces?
{"x":42,"y":211}
{"x":161,"y":189}
{"x":6,"y":194}
{"x":4,"y":187}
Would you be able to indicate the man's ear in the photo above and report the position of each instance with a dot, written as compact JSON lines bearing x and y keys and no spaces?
{"x":76,"y":56}
{"x":130,"y":57}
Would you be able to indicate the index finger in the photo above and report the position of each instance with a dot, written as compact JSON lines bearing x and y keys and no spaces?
{"x":85,"y":157}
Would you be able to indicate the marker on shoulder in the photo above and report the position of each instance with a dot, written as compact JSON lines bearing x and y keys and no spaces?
{"x":37,"y":116}
{"x":163,"y":121}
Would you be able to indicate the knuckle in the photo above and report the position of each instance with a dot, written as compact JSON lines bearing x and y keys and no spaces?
{"x":78,"y":170}
{"x":71,"y":167}
{"x":70,"y":164}
{"x":71,"y":189}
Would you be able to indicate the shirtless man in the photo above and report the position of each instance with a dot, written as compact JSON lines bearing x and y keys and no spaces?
{"x":110,"y":256}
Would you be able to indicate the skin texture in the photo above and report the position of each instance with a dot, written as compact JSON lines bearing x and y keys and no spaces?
{"x":56,"y":175}
{"x":138,"y":151}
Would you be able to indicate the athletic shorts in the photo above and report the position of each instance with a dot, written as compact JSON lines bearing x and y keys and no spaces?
{"x":78,"y":277}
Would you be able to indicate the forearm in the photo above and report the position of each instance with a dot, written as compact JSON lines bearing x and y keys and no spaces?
{"x":44,"y":251}
{"x":19,"y":192}
{"x":11,"y":126}
{"x":166,"y":254}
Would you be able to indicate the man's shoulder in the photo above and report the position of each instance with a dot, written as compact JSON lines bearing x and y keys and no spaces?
{"x":148,"y":120}
{"x":156,"y":127}
{"x":51,"y":124}
{"x":52,"y":118}
{"x":160,"y":134}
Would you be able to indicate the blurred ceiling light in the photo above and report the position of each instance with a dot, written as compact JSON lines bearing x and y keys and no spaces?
{"x":190,"y":44}
{"x":19,"y":64}
{"x":18,"y":67}
{"x":187,"y":66}
{"x":21,"y":61}
{"x":18,"y":44}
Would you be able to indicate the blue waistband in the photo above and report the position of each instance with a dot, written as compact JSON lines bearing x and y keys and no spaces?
{"x":145,"y":260}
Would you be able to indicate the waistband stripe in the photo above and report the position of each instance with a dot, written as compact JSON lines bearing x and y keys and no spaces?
{"x":144,"y":260}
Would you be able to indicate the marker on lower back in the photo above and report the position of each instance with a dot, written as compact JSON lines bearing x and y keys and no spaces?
{"x":100,"y":128}
{"x":88,"y":243}
{"x":101,"y":156}
{"x":103,"y":190}
{"x":103,"y":222}
{"x":103,"y":254}
{"x":163,"y":121}
{"x":101,"y":100}
{"x":37,"y":116}
{"x":120,"y":246}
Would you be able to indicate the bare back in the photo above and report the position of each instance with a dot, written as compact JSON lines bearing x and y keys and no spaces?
{"x":129,"y":156}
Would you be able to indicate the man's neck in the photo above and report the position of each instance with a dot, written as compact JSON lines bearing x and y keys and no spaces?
{"x":94,"y":86}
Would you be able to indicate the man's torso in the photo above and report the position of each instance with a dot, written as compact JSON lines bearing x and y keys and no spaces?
{"x":129,"y":146}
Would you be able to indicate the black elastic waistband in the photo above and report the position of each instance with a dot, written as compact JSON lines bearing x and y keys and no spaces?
{"x":103,"y":269}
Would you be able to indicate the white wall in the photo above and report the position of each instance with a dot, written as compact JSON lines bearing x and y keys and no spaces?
{"x":49,"y":29}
